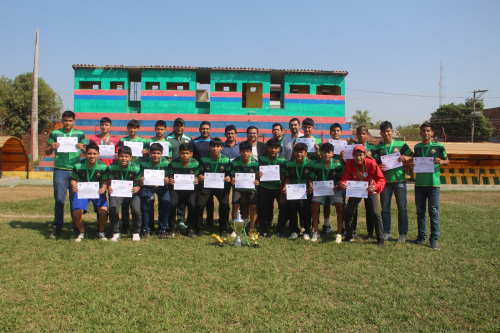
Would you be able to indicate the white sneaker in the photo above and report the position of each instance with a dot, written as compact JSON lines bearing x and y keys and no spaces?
{"x":293,"y":236}
{"x":402,"y":238}
{"x":102,"y":236}
{"x":136,"y":237}
{"x":315,"y":236}
{"x":116,"y":237}
{"x":80,"y":237}
{"x":306,"y":236}
{"x":302,"y":230}
{"x":338,"y":240}
{"x":387,"y":236}
{"x":233,"y":234}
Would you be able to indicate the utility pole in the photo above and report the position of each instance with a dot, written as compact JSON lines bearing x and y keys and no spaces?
{"x":441,"y":85}
{"x":475,"y":114}
{"x":34,"y":107}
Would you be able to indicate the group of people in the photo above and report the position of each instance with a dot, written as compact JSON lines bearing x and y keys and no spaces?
{"x":198,"y":161}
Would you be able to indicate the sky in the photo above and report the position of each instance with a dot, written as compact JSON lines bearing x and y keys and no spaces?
{"x":391,"y":49}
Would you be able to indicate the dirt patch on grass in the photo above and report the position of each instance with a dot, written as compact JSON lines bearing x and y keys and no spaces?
{"x":21,"y":193}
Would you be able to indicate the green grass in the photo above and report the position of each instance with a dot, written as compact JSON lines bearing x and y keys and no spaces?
{"x":192,"y":285}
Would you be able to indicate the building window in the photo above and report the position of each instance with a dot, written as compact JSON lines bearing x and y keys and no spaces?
{"x":90,"y":85}
{"x":225,"y":87}
{"x":299,"y":89}
{"x":152,"y":85}
{"x":177,"y":85}
{"x":118,"y":85}
{"x":327,"y":90}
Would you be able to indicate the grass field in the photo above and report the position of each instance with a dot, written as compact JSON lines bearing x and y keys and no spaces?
{"x":192,"y":285}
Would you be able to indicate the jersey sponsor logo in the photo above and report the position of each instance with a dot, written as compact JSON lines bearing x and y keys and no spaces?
{"x":306,"y":171}
{"x":433,"y":151}
{"x":365,"y":174}
{"x":191,"y":171}
{"x":222,"y":167}
{"x":396,"y":150}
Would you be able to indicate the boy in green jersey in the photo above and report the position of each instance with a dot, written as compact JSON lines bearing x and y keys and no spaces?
{"x":330,"y":167}
{"x":182,"y":165}
{"x":124,"y":169}
{"x":90,"y":169}
{"x":308,"y":128}
{"x":63,"y":164}
{"x":216,"y":163}
{"x":297,"y":171}
{"x":395,"y":181}
{"x":427,"y":185}
{"x":155,"y":161}
{"x":269,"y":191}
{"x":245,"y":163}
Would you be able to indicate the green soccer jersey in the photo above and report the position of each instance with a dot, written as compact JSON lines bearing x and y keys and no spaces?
{"x":436,"y":150}
{"x":66,"y":160}
{"x":332,"y":172}
{"x":280,"y":162}
{"x":237,"y":166}
{"x":299,"y":174}
{"x":312,"y":155}
{"x":121,"y":143}
{"x":398,"y":174}
{"x":83,"y":173}
{"x":281,"y":144}
{"x":152,"y":140}
{"x":176,"y":167}
{"x":115,"y":172}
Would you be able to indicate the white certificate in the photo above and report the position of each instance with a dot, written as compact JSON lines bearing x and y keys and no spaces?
{"x":391,"y":161}
{"x":348,"y":152}
{"x":245,"y":180}
{"x":184,"y":182}
{"x":310,"y":142}
{"x":270,"y":172}
{"x":338,"y":146}
{"x":136,"y":147}
{"x":214,"y":180}
{"x":423,"y":165}
{"x":67,"y":144}
{"x":106,"y":152}
{"x":356,"y":189}
{"x":88,"y":190}
{"x":296,"y":191}
{"x":324,"y":188}
{"x":165,"y":145}
{"x":122,"y":188}
{"x":154,"y":177}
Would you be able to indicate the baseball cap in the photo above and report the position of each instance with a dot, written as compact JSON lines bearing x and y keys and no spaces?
{"x":179,"y":121}
{"x":359,"y":148}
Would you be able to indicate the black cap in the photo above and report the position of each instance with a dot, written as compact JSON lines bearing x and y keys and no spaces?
{"x":179,"y":120}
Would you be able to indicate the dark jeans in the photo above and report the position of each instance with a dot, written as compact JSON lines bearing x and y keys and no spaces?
{"x":424,"y":194}
{"x":399,"y":190}
{"x":266,"y":209}
{"x":372,"y":206}
{"x":302,"y":207}
{"x":204,"y":197}
{"x":61,"y":182}
{"x":114,"y":206}
{"x":369,"y":220}
{"x":188,"y":198}
{"x":125,"y":214}
{"x":163,"y":207}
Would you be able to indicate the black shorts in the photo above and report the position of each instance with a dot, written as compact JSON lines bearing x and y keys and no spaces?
{"x":250,"y":197}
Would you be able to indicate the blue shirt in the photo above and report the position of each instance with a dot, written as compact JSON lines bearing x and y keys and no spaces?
{"x":201,"y":147}
{"x":231,"y":152}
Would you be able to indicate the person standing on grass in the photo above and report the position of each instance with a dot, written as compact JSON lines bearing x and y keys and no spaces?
{"x":63,"y":165}
{"x":427,"y":185}
{"x":396,"y":181}
{"x":90,"y":169}
{"x":293,"y":125}
{"x":105,"y":138}
{"x":277,"y":130}
{"x":231,"y":147}
{"x":124,"y":169}
{"x":328,"y":168}
{"x":308,"y":128}
{"x":363,"y":169}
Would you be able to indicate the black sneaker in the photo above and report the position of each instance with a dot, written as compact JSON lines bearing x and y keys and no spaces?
{"x":55,"y":233}
{"x":263,"y":235}
{"x":434,"y":245}
{"x":418,"y":241}
{"x":125,"y":229}
{"x":326,"y":230}
{"x":162,"y":234}
{"x":171,"y":234}
{"x":199,"y":233}
{"x":348,"y":240}
{"x":144,"y":233}
{"x":223,"y":234}
{"x":380,"y":243}
{"x":191,"y":234}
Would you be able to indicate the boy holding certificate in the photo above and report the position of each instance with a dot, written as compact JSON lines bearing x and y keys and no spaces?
{"x":64,"y":143}
{"x":87,"y":183}
{"x":364,"y":176}
{"x":106,"y":139}
{"x":298,"y":171}
{"x":427,"y":184}
{"x":391,"y":154}
{"x":183,"y":176}
{"x":215,"y":180}
{"x":155,"y":181}
{"x":160,"y":128}
{"x":124,"y":175}
{"x":329,"y":168}
{"x":272,"y":179}
{"x":244,"y":171}
{"x":308,"y":128}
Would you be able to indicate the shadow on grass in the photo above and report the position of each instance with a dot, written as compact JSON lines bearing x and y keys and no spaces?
{"x":45,"y":228}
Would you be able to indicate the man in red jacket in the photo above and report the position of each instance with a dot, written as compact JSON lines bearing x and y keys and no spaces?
{"x":367,"y":170}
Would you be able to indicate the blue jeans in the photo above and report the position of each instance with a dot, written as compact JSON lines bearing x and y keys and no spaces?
{"x":163,"y":207}
{"x":399,"y":190}
{"x":422,"y":195}
{"x":61,"y":182}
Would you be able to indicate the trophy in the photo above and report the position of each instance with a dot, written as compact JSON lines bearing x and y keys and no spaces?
{"x":239,"y":226}
{"x":219,"y":239}
{"x":254,"y":236}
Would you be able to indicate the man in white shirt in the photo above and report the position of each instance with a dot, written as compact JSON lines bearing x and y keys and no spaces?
{"x":293,"y":125}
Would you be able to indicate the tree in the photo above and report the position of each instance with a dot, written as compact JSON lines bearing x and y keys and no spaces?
{"x":361,"y":117}
{"x":410,"y":132}
{"x":15,"y":104}
{"x":456,"y":121}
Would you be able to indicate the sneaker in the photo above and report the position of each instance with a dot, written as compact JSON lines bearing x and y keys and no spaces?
{"x":418,"y":241}
{"x":314,"y":236}
{"x":338,"y":239}
{"x":125,"y":229}
{"x":171,"y":234}
{"x":354,"y":234}
{"x":263,"y":235}
{"x":233,"y":235}
{"x":55,"y":233}
{"x":434,"y":245}
{"x":223,"y":234}
{"x":136,"y":237}
{"x":293,"y":236}
{"x":80,"y":237}
{"x":402,"y":238}
{"x":302,"y":230}
{"x":116,"y":237}
{"x":306,"y":237}
{"x":380,"y":243}
{"x":370,"y":237}
{"x":144,"y":233}
{"x":387,"y":236}
{"x":191,"y":234}
{"x":101,"y":236}
{"x":162,"y":234}
{"x":279,"y":235}
{"x":343,"y":232}
{"x":348,"y":240}
{"x":326,"y":230}
{"x":210,"y":223}
{"x":182,"y":226}
{"x":199,"y":233}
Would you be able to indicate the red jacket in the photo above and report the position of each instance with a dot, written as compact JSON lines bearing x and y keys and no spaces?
{"x":113,"y":140}
{"x":373,"y":175}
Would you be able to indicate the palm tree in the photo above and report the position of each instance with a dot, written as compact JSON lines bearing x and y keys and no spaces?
{"x":361,"y":117}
